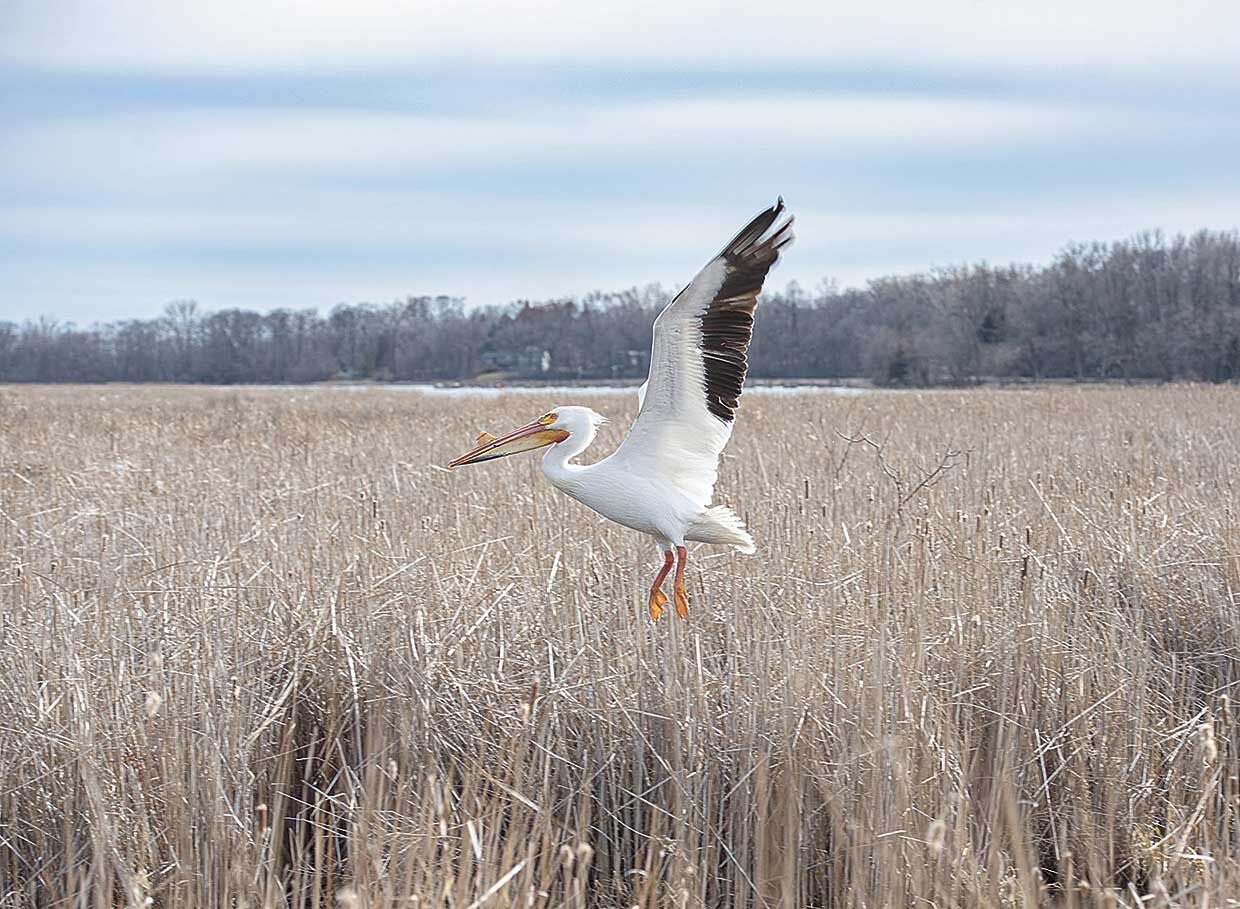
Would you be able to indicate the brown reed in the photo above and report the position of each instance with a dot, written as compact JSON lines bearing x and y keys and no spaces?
{"x":257,"y":648}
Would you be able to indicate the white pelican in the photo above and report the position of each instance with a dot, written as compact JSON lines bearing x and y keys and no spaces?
{"x":661,"y":479}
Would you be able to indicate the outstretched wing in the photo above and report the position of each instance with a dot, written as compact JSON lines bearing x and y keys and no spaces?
{"x":697,"y":360}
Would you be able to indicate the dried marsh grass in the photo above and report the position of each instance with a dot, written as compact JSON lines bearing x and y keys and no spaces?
{"x":257,"y":650}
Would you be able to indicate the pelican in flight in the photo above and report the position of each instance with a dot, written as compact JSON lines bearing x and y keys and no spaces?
{"x":661,"y":480}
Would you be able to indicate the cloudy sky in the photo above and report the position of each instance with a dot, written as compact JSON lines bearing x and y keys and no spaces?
{"x":258,"y":154}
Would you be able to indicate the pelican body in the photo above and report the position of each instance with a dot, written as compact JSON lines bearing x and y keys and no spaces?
{"x":661,"y":480}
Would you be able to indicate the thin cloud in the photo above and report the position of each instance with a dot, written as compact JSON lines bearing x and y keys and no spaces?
{"x":1091,"y":35}
{"x":556,"y":248}
{"x":178,"y":146}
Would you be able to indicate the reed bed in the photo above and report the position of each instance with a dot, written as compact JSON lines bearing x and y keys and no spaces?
{"x":258,"y":649}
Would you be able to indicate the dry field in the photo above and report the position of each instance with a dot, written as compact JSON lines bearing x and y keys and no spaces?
{"x":257,"y":649}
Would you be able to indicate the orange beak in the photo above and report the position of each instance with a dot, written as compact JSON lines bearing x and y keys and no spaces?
{"x":527,"y":438}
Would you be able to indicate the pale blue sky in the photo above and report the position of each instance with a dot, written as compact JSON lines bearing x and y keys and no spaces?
{"x":301,"y":155}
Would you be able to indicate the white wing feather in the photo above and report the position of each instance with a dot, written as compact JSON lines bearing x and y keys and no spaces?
{"x":674,"y":435}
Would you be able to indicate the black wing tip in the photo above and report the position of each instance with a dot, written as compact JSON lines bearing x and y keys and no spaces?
{"x":762,"y":235}
{"x":775,"y":210}
{"x":782,"y":235}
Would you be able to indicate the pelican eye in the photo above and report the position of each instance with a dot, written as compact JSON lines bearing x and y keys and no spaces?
{"x":548,"y":419}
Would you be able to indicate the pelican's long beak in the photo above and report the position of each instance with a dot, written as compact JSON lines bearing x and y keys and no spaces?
{"x":527,"y":438}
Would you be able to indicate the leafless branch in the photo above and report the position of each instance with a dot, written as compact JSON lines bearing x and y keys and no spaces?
{"x":899,"y":479}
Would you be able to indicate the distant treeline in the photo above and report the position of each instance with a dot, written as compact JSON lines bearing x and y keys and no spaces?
{"x":1145,"y":308}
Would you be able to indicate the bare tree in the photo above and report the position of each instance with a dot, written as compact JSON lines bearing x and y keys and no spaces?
{"x":1150,"y":307}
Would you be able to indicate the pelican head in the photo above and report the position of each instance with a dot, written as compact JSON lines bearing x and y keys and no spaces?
{"x":551,"y":428}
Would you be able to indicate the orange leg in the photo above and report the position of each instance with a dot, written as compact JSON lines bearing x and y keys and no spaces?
{"x":658,"y":599}
{"x":678,"y":587}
